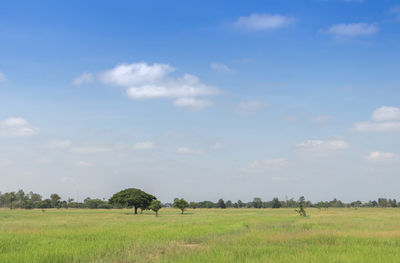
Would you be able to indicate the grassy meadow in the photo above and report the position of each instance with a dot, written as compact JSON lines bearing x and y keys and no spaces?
{"x":200,"y":235}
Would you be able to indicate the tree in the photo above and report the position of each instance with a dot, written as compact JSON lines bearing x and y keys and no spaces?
{"x":132,"y":197}
{"x":257,"y":202}
{"x":193,"y":205}
{"x":276,"y":203}
{"x":221,"y":203}
{"x":301,"y":210}
{"x":240,"y":203}
{"x":155,"y":206}
{"x":181,"y":204}
{"x":55,"y":200}
{"x":228,"y":203}
{"x":10,"y":198}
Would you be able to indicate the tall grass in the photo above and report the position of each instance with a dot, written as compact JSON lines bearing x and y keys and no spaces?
{"x":201,"y":235}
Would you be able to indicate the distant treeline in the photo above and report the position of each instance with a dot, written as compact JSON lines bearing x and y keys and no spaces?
{"x":31,"y":200}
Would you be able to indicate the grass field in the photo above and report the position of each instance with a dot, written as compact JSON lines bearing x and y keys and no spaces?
{"x":201,"y":235}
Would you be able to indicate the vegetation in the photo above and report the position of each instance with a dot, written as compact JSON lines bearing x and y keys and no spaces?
{"x":181,"y":204}
{"x":132,"y":197}
{"x":129,"y":197}
{"x":155,"y":206}
{"x":368,"y":235}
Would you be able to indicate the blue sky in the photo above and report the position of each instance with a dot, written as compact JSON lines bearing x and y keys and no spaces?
{"x":201,"y":100}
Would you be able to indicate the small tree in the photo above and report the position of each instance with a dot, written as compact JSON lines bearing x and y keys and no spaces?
{"x":155,"y":206}
{"x":55,"y":200}
{"x":276,"y":203}
{"x":181,"y":204}
{"x":301,"y":210}
{"x":221,"y":203}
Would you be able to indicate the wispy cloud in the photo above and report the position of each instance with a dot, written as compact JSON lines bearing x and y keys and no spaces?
{"x":263,"y":22}
{"x":147,"y":145}
{"x":396,"y":11}
{"x":267,"y":164}
{"x":83,"y":164}
{"x":16,"y":127}
{"x":58,"y":144}
{"x":379,"y":157}
{"x":2,"y":77}
{"x":250,"y":106}
{"x":83,"y":79}
{"x":353,"y":30}
{"x":220,"y":67}
{"x":186,"y":150}
{"x":322,"y":146}
{"x":192,"y":103}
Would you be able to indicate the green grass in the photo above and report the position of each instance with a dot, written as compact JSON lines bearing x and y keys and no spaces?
{"x":201,"y":235}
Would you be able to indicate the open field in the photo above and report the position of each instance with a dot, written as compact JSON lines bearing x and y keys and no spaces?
{"x":201,"y":235}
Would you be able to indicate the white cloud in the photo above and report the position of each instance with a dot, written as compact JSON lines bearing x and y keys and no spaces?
{"x":186,"y":150}
{"x":260,"y":22}
{"x":192,"y":103}
{"x":221,"y":67}
{"x":353,"y":30}
{"x":389,"y":126}
{"x":268,"y":164}
{"x":16,"y":127}
{"x":250,"y":106}
{"x":382,"y":157}
{"x":2,"y":77}
{"x":386,"y":113}
{"x":384,"y":119}
{"x":83,"y":164}
{"x":321,"y":119}
{"x":217,"y":146}
{"x":143,"y":81}
{"x":320,"y":146}
{"x":90,"y":149}
{"x":58,"y":144}
{"x":144,"y":145}
{"x":83,"y":79}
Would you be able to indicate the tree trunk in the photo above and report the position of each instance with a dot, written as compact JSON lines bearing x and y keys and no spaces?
{"x":135,"y":210}
{"x":182,"y":211}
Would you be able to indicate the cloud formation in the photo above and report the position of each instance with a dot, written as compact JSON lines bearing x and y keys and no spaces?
{"x":382,"y":157}
{"x":221,"y":67}
{"x":2,"y":77}
{"x":321,"y":146}
{"x":147,"y":145}
{"x":58,"y":144}
{"x":192,"y":103}
{"x":250,"y":106}
{"x":384,"y":119}
{"x":353,"y":30}
{"x":263,"y":22}
{"x":186,"y":150}
{"x":144,"y":81}
{"x":260,"y":165}
{"x":83,"y":79}
{"x":16,"y":127}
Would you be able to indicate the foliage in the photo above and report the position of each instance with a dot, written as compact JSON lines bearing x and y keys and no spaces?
{"x":132,"y":197}
{"x":181,"y":204}
{"x":155,"y":206}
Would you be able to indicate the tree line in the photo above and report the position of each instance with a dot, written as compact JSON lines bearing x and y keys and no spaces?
{"x":140,"y":200}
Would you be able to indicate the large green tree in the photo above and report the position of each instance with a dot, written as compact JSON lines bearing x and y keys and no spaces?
{"x":132,"y":197}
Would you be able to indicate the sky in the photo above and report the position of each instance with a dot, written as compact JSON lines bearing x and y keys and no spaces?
{"x":201,"y":99}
